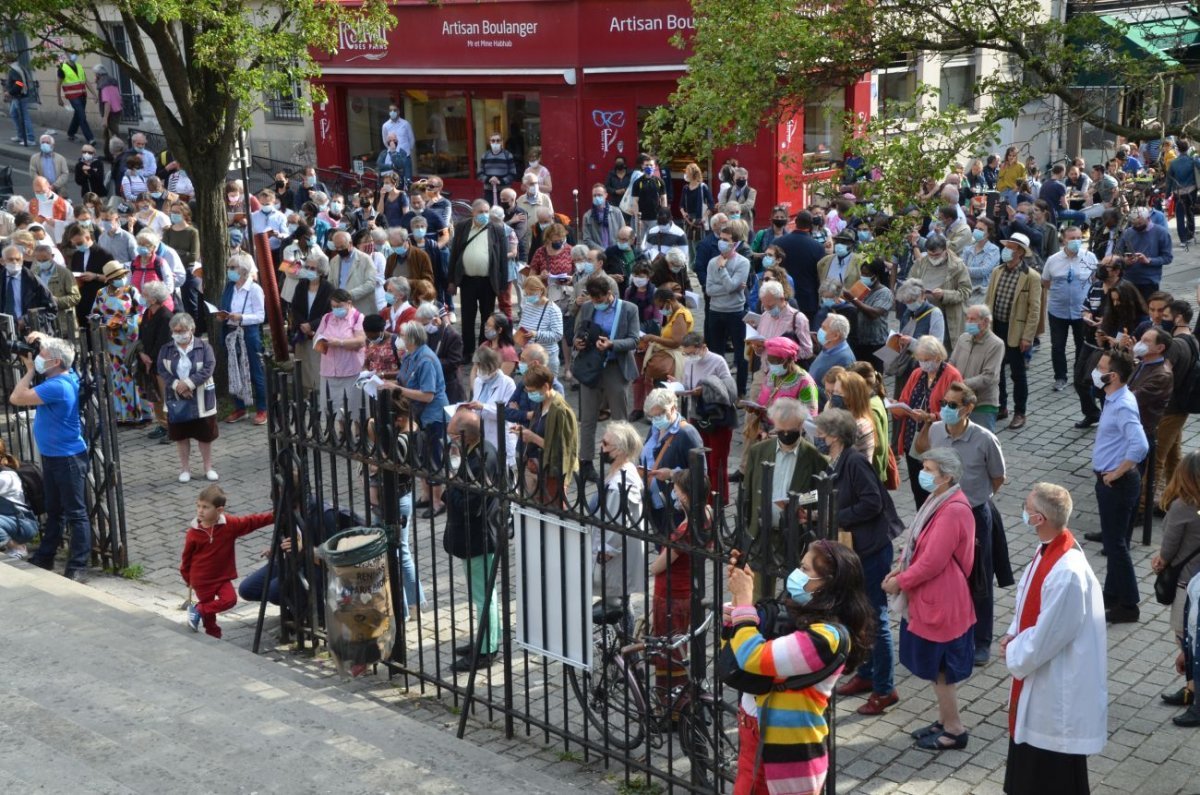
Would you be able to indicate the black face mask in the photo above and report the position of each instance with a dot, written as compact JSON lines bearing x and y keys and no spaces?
{"x":620,"y":166}
{"x":779,"y":222}
{"x":741,"y":183}
{"x":280,"y":184}
{"x":787,"y":437}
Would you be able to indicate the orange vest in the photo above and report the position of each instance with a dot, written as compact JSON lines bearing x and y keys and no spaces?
{"x":58,"y":209}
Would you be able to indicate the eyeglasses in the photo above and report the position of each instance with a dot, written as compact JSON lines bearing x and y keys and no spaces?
{"x":495,"y":140}
{"x":946,"y":404}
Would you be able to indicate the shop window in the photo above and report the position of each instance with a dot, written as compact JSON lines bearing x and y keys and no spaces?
{"x":439,"y":122}
{"x":516,"y":115}
{"x":284,"y":104}
{"x":823,"y":127}
{"x":958,"y":84}
{"x":365,"y":114}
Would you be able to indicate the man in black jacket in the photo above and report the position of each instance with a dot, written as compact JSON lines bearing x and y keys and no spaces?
{"x":479,"y":268}
{"x":801,"y":254}
{"x":87,"y":263}
{"x":473,"y":531}
{"x":21,"y":292}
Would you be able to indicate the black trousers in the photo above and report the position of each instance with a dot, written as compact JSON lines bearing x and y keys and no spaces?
{"x":1014,"y":360}
{"x":478,"y":298}
{"x":1083,"y":383}
{"x":1185,"y":216}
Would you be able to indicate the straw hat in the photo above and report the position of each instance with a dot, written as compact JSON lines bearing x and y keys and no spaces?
{"x":114,"y":270}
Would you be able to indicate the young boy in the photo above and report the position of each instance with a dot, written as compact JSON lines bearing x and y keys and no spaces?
{"x":208,"y":563}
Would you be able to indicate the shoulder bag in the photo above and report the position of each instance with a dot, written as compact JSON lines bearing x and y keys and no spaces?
{"x":1166,"y":583}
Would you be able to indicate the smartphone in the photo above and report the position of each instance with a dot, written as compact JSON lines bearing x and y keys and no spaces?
{"x":740,"y":559}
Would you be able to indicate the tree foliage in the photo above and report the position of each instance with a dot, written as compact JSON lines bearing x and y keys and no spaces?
{"x":203,"y":67}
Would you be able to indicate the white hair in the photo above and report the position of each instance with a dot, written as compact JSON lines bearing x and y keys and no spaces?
{"x":660,"y":399}
{"x":930,"y":345}
{"x":182,"y":321}
{"x":625,"y":439}
{"x":414,"y":334}
{"x":579,"y":252}
{"x":156,"y":292}
{"x":984,"y":312}
{"x":380,"y":235}
{"x":787,"y":409}
{"x":910,"y":290}
{"x":148,"y":238}
{"x":18,"y":204}
{"x":58,"y":349}
{"x":427,"y":311}
{"x":676,"y":258}
{"x":398,"y":232}
{"x":538,"y":352}
{"x":947,"y":462}
{"x":839,"y":325}
{"x":774,"y":289}
{"x":400,"y":284}
{"x":1053,"y":502}
{"x":830,"y":288}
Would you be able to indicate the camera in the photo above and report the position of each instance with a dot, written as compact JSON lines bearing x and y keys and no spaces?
{"x":21,"y":348}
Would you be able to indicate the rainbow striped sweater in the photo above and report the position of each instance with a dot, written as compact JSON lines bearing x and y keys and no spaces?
{"x":791,"y":722}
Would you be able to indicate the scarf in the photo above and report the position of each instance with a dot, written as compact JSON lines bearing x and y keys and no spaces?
{"x":1051,"y":553}
{"x":239,"y":365}
{"x":898,"y":603}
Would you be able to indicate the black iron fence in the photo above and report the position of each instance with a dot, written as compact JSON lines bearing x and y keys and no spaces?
{"x":104,"y":494}
{"x":604,"y":593}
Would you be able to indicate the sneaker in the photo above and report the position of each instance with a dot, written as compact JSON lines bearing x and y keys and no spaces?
{"x":18,"y":553}
{"x":260,"y":418}
{"x":16,"y":140}
{"x":982,"y":655}
{"x":185,"y":476}
{"x":193,"y":619}
{"x":158,"y":433}
{"x":211,"y":474}
{"x":1060,"y":384}
{"x":236,"y":416}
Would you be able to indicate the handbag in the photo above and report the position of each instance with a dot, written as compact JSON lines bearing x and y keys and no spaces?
{"x":659,"y":364}
{"x":628,"y":204}
{"x":1166,"y":583}
{"x":201,"y":405}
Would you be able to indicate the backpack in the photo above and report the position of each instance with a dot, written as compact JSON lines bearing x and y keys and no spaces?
{"x":33,"y":487}
{"x":1187,"y":388}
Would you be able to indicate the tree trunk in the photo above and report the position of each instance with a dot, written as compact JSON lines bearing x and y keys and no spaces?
{"x":211,"y":219}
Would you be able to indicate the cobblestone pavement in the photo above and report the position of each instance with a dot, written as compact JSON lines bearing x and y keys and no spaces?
{"x":1145,"y":753}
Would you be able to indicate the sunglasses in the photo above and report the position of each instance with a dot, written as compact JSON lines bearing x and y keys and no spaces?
{"x":946,"y":404}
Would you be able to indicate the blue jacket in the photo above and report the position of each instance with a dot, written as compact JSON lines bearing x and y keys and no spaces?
{"x":1155,"y":243}
{"x":706,"y":249}
{"x":801,"y":255}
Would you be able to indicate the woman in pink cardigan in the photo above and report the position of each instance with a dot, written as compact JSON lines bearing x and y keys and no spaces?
{"x":929,"y":590}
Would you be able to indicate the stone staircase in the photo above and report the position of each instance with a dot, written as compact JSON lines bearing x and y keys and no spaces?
{"x":98,"y":696}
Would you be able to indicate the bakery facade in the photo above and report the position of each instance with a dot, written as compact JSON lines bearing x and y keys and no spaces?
{"x":575,"y":77}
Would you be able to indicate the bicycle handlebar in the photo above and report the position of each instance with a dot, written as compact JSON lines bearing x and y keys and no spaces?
{"x":669,"y":645}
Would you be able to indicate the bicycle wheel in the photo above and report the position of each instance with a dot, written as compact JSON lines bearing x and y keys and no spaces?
{"x":611,"y":702}
{"x":708,"y":732}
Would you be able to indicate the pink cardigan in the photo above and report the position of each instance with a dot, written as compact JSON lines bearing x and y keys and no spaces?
{"x":939,"y":599}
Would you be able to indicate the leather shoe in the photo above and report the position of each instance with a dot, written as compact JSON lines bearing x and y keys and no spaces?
{"x":736,"y":477}
{"x":982,"y":655}
{"x":1180,"y":698}
{"x":1097,"y":537}
{"x":1189,"y":719}
{"x":463,"y":664}
{"x":877,"y":704}
{"x":1086,"y":422}
{"x":1018,"y":422}
{"x":1002,"y":414}
{"x":1122,"y":615}
{"x":854,"y":686}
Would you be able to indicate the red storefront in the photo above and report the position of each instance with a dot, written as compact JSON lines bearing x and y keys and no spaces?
{"x":573,"y":76}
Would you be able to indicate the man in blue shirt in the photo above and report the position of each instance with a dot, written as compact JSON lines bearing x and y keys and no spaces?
{"x":422,"y":382}
{"x":1181,"y":180}
{"x":1129,"y":162}
{"x":1146,"y":249}
{"x":801,"y":253}
{"x":58,"y":434}
{"x":835,"y":350}
{"x":1120,"y":448}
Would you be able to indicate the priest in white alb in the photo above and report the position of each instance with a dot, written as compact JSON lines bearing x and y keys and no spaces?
{"x":1056,"y":651}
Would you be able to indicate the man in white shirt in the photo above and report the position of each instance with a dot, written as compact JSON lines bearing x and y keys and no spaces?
{"x":666,"y":236}
{"x":398,"y":126}
{"x":1056,"y":650}
{"x":114,"y":239}
{"x":532,"y":198}
{"x":271,"y":221}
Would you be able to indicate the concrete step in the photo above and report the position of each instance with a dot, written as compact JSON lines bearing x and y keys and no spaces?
{"x":99,"y":696}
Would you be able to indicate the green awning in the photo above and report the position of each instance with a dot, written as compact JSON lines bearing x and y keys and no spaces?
{"x":1159,"y":37}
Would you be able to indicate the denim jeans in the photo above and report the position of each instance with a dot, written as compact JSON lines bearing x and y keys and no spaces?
{"x":984,"y":609}
{"x":879,"y":668}
{"x":17,"y":529}
{"x":79,"y":119}
{"x":251,"y":588}
{"x":1075,"y":217}
{"x":254,"y":349}
{"x":984,"y":419}
{"x":1059,"y":326}
{"x":1117,"y":504}
{"x":414,"y":592}
{"x":18,"y":109}
{"x":65,"y":480}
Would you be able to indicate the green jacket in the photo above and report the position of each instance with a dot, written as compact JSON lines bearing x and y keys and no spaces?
{"x":560,"y":456}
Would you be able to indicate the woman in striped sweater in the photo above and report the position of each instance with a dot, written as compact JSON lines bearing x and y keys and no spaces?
{"x":827,"y":601}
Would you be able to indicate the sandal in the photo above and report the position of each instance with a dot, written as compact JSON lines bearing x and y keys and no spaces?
{"x":933,"y":728}
{"x":933,"y":742}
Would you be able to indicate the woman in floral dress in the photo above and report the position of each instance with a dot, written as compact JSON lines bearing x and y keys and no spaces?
{"x":119,"y":306}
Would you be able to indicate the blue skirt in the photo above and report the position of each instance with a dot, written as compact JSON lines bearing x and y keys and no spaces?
{"x":926,"y":658}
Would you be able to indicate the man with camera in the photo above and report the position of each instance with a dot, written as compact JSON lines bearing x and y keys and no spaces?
{"x":59,"y":437}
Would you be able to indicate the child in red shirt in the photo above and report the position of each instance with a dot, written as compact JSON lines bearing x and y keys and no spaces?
{"x":208,"y":566}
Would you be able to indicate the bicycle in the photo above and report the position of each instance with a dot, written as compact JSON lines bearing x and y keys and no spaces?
{"x":619,"y":706}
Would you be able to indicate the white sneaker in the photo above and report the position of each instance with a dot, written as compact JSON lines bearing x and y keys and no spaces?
{"x":211,"y":474}
{"x":185,"y":476}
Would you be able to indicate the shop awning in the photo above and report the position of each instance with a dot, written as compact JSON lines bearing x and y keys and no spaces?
{"x":1164,"y":38}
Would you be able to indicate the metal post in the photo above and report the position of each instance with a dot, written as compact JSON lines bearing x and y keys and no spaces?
{"x":389,"y":501}
{"x":502,"y":486}
{"x":1148,"y":486}
{"x":699,"y":535}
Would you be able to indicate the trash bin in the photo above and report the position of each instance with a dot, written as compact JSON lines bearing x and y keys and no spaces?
{"x":358,"y":597}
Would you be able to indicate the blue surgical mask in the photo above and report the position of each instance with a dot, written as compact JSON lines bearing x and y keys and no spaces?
{"x":39,"y":364}
{"x":841,"y":249}
{"x":310,"y":182}
{"x":1025,"y":518}
{"x":533,"y":300}
{"x":867,"y":281}
{"x":624,"y":246}
{"x":925,"y":479}
{"x":46,"y":149}
{"x":1073,"y":246}
{"x":597,"y":201}
{"x":864,"y":236}
{"x":1006,"y":255}
{"x":828,"y":302}
{"x":972,"y":328}
{"x":775,"y":311}
{"x":723,"y":246}
{"x":121,"y":282}
{"x":430,"y":328}
{"x":822,"y":337}
{"x":777,"y":369}
{"x":536,"y":397}
{"x":915,"y":305}
{"x":522,"y":367}
{"x":978,"y":234}
{"x":482,"y":219}
{"x":306,"y":273}
{"x":177,"y":218}
{"x":418,"y":233}
{"x":233,"y":276}
{"x":661,"y":422}
{"x":768,"y":261}
{"x":601,"y":307}
{"x":950,"y":416}
{"x":143,"y":250}
{"x":796,"y":582}
{"x":735,"y":217}
{"x":340,"y":311}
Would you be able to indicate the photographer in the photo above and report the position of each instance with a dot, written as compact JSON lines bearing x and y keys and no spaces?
{"x":59,"y":438}
{"x":832,"y":621}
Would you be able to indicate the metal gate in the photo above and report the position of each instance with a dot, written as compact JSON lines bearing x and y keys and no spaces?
{"x":651,"y":707}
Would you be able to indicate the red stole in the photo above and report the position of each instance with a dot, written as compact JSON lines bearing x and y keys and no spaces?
{"x":1033,"y":606}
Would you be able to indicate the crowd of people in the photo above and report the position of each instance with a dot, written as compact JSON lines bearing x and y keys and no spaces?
{"x":827,"y":352}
